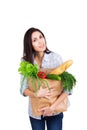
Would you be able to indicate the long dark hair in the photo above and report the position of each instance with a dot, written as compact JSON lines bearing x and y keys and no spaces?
{"x":28,"y":51}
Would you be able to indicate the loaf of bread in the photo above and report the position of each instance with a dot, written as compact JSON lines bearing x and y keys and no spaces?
{"x":60,"y":69}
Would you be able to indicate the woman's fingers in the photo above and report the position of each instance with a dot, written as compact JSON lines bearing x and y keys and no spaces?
{"x":43,"y":92}
{"x":46,"y":111}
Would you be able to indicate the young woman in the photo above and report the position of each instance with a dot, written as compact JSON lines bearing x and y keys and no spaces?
{"x":36,"y":52}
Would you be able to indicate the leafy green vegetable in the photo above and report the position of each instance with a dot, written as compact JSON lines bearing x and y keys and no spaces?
{"x":68,"y":80}
{"x":29,"y":70}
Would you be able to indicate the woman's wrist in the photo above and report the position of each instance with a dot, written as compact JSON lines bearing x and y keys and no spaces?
{"x":52,"y":108}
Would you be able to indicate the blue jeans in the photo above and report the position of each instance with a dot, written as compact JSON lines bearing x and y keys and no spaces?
{"x":52,"y":122}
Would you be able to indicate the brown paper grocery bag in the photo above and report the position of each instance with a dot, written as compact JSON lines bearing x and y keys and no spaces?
{"x":38,"y":103}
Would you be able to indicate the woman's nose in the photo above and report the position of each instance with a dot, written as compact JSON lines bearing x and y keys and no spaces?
{"x":39,"y":41}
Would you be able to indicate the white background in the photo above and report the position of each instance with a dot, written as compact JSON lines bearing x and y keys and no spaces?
{"x":64,"y":23}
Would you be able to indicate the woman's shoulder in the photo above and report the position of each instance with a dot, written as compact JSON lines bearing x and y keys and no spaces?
{"x":54,"y":55}
{"x":54,"y":58}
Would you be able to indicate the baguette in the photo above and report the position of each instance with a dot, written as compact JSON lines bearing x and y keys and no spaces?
{"x":60,"y":69}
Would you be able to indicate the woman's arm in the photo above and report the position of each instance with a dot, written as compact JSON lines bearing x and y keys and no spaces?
{"x":48,"y":111}
{"x":59,"y":100}
{"x":42,"y":92}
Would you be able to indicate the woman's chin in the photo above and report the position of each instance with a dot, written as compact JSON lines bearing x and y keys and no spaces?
{"x":41,"y":49}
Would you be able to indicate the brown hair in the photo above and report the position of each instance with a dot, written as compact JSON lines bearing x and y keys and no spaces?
{"x":28,"y":51}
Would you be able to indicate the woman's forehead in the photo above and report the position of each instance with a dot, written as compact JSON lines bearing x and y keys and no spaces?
{"x":35,"y":34}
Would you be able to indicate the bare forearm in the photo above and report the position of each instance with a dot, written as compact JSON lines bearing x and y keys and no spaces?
{"x":59,"y":100}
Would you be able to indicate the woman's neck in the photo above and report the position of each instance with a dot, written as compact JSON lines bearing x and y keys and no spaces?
{"x":39,"y":55}
{"x":39,"y":58}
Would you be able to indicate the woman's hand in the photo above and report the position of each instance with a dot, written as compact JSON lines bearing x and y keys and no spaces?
{"x":43,"y":92}
{"x":47,"y":111}
{"x":53,"y":93}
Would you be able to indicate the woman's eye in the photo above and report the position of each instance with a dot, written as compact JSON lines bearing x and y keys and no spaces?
{"x":34,"y":40}
{"x":41,"y":36}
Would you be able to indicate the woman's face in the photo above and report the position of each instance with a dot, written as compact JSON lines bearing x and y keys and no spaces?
{"x":38,"y":42}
